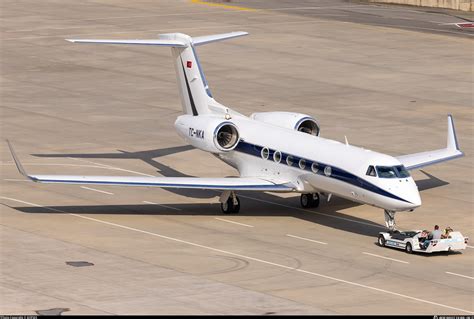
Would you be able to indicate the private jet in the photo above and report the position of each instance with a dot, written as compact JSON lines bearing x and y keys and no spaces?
{"x":272,"y":151}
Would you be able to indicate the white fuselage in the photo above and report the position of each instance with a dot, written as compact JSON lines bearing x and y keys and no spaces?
{"x":348,"y":164}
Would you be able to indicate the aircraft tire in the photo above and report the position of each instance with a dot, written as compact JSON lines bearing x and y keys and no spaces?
{"x":315,"y":200}
{"x":229,"y":208}
{"x":306,"y":200}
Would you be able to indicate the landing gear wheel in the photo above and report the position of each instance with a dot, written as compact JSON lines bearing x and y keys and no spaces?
{"x":408,"y":248}
{"x":230,"y":207}
{"x":309,"y":200}
{"x":381,"y":241}
{"x":315,"y":200}
{"x":236,"y":206}
{"x":306,"y":200}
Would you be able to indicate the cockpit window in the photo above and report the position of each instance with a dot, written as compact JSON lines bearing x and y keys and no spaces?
{"x":402,"y":171}
{"x":386,"y":172}
{"x":371,"y":171}
{"x":392,"y":171}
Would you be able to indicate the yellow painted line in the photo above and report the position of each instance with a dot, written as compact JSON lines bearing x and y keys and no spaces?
{"x":222,"y":5}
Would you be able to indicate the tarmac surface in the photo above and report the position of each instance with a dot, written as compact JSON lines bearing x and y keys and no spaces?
{"x":84,"y":109}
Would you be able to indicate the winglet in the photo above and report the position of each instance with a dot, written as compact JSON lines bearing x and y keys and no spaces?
{"x":17,"y":161}
{"x":452,"y":142}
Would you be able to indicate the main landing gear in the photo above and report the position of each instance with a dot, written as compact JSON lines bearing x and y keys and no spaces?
{"x":310,"y":200}
{"x":230,"y":203}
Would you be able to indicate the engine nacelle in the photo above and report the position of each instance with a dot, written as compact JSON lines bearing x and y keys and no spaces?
{"x":295,"y":121}
{"x":208,"y":133}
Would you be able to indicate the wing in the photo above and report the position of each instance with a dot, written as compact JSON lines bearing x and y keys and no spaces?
{"x":223,"y":183}
{"x":452,"y":151}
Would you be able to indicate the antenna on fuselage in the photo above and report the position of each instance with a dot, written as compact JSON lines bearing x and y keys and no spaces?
{"x":345,"y":137}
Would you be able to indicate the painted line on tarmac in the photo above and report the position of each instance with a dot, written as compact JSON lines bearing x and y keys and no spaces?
{"x":351,"y":283}
{"x":249,"y":197}
{"x":222,"y":5}
{"x":152,"y":203}
{"x":451,"y":273}
{"x":469,"y":246}
{"x":312,"y":240}
{"x":52,"y":164}
{"x":400,"y":261}
{"x":110,"y":167}
{"x":171,"y":29}
{"x":229,"y":221}
{"x":313,"y":212}
{"x":96,"y":190}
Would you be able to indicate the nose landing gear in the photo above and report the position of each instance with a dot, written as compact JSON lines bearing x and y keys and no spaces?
{"x":390,"y":219}
{"x":309,"y":200}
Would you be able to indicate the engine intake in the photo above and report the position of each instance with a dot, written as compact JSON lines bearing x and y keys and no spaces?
{"x":226,"y":136}
{"x":209,"y":133}
{"x":308,"y":125}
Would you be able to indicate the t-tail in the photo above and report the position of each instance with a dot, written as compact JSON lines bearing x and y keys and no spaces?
{"x":193,"y":88}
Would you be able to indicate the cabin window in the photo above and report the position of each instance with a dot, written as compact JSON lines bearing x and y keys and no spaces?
{"x":289,"y":160}
{"x":314,"y":167}
{"x":264,"y":153}
{"x":327,"y":171}
{"x":277,"y":156}
{"x":371,"y":171}
{"x":302,"y":163}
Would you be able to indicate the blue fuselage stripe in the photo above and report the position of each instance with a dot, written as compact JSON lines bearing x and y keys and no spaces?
{"x":336,"y":173}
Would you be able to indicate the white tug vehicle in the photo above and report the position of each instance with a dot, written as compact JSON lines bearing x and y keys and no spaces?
{"x":419,"y":241}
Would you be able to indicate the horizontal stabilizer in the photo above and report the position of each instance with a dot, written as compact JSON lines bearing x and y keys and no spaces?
{"x":160,"y":42}
{"x":178,"y":40}
{"x":217,"y":37}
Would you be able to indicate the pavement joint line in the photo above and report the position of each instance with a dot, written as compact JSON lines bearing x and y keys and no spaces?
{"x":397,"y":260}
{"x":16,"y":180}
{"x":97,"y":190}
{"x":152,"y":203}
{"x":229,"y":221}
{"x":312,"y":240}
{"x":452,"y":273}
{"x":246,"y":257}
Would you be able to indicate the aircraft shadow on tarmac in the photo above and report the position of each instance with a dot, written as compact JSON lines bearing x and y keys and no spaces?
{"x":253,"y":203}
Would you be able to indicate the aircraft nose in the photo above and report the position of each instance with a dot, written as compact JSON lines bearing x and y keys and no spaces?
{"x":414,"y":195}
{"x":416,"y":199}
